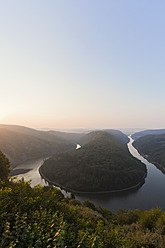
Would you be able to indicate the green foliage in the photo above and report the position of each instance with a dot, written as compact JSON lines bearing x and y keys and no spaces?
{"x":45,"y":229}
{"x":149,"y":218}
{"x":72,"y":196}
{"x":39,"y":217}
{"x":75,"y":202}
{"x":42,"y":217}
{"x":127,"y":217}
{"x":89,"y":204}
{"x":4,"y":167}
{"x":103,"y":164}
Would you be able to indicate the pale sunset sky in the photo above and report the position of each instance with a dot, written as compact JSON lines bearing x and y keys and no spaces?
{"x":82,"y":64}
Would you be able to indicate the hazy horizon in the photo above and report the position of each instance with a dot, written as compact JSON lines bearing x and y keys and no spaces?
{"x":127,"y":131}
{"x":82,"y":64}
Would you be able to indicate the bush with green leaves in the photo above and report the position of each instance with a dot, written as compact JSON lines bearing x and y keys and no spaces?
{"x":4,"y":167}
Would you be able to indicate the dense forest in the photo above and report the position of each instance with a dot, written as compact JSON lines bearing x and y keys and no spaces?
{"x":41,"y":217}
{"x":103,"y":164}
{"x":153,"y":148}
{"x":93,"y":134}
{"x":140,"y":134}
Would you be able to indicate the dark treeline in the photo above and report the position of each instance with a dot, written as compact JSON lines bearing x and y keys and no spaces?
{"x":103,"y":164}
{"x":4,"y":167}
{"x":41,"y":217}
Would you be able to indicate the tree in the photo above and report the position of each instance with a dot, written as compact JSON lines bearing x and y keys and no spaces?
{"x":4,"y":167}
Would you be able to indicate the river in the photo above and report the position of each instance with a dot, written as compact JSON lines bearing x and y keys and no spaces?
{"x":149,"y":195}
{"x":33,"y":175}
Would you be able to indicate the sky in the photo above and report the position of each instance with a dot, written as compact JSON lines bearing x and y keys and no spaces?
{"x":82,"y":64}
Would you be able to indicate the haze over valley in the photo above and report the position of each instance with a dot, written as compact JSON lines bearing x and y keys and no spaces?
{"x":82,"y":124}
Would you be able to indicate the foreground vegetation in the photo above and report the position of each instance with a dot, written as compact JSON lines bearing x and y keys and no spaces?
{"x":4,"y":167}
{"x":103,"y":164}
{"x":42,"y":217}
{"x":153,"y":148}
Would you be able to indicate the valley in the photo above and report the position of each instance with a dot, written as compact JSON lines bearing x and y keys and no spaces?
{"x":129,"y":199}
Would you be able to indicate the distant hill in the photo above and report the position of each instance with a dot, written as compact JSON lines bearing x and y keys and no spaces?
{"x":85,"y":137}
{"x":118,"y":134}
{"x":92,"y":135}
{"x":102,"y":164}
{"x":72,"y":137}
{"x":22,"y":143}
{"x":152,"y":147}
{"x":45,"y":135}
{"x":137,"y":135}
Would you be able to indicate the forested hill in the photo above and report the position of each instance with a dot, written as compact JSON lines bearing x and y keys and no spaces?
{"x":85,"y":137}
{"x":72,"y":137}
{"x":103,"y":164}
{"x":153,"y":148}
{"x":137,"y":135}
{"x":93,"y":135}
{"x":118,"y":134}
{"x":21,"y":144}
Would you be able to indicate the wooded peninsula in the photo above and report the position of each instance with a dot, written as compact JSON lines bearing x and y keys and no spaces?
{"x":102,"y":164}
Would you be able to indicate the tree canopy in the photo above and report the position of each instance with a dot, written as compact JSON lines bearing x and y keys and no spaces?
{"x":4,"y":167}
{"x":103,"y":164}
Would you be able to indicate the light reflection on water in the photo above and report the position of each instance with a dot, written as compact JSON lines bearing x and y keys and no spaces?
{"x":78,"y":147}
{"x":33,"y":174}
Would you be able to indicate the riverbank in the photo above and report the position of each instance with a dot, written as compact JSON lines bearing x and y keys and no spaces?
{"x":19,"y":172}
{"x":93,"y":192}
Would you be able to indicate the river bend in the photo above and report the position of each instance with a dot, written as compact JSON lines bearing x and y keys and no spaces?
{"x":149,"y":195}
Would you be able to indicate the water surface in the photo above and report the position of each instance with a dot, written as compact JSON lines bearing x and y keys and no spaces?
{"x":33,"y":175}
{"x":149,"y":195}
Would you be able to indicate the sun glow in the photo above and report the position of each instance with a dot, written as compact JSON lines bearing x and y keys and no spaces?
{"x":2,"y":115}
